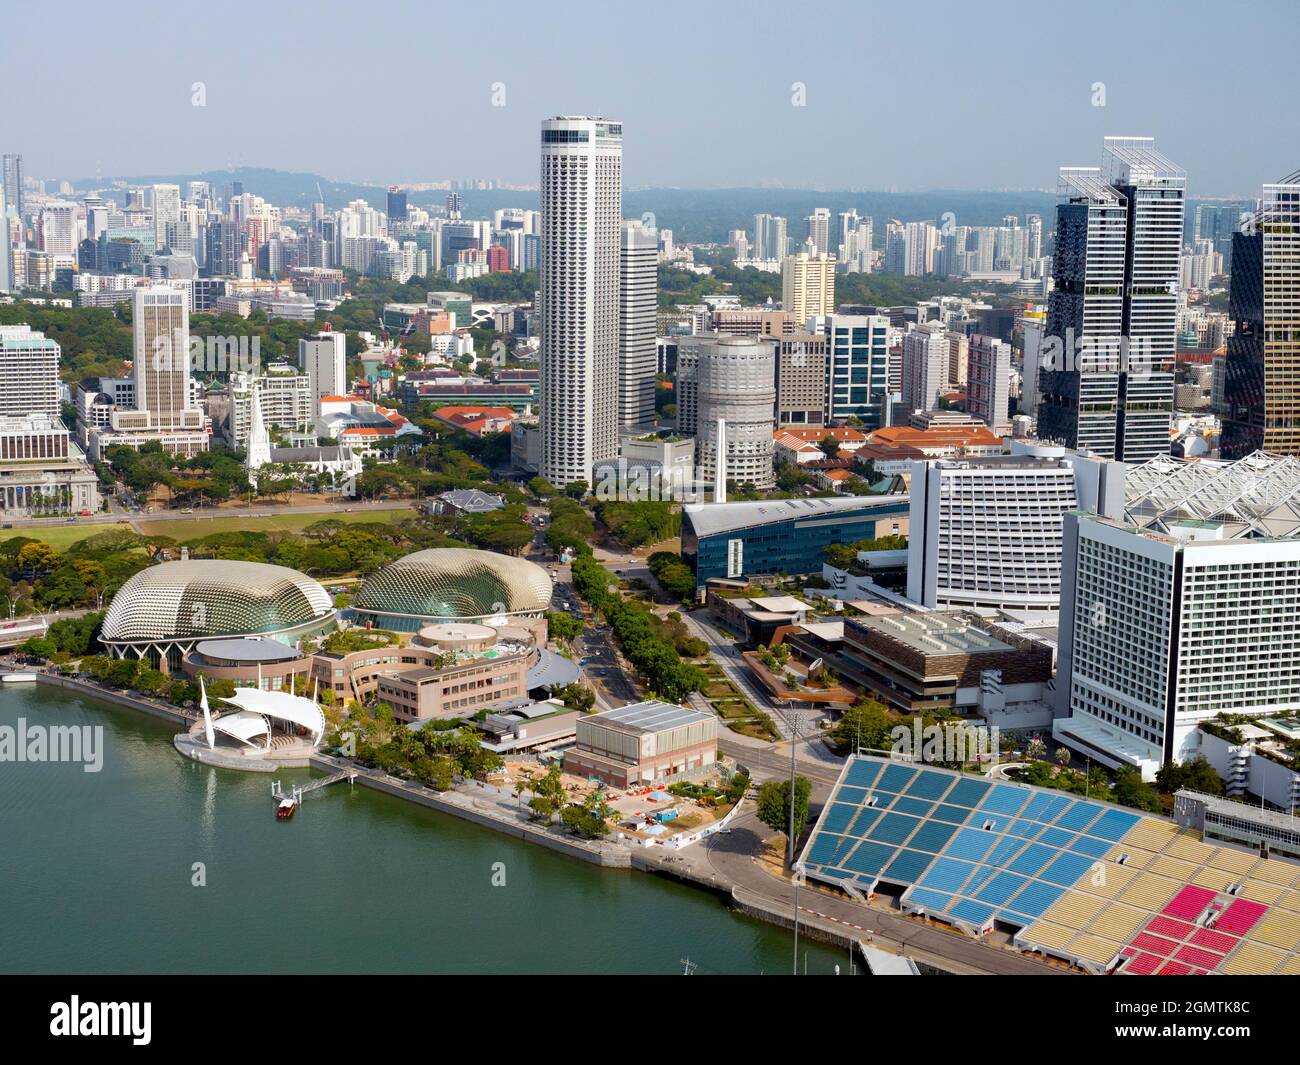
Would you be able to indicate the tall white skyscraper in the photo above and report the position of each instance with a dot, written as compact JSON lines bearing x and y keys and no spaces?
{"x":581,"y":193}
{"x":925,"y":367}
{"x":29,"y":372}
{"x":988,"y":372}
{"x":324,"y":358}
{"x":161,"y":358}
{"x":13,"y":184}
{"x":167,"y":218}
{"x":638,"y":290}
{"x":769,"y":237}
{"x":59,"y":228}
{"x":819,"y":230}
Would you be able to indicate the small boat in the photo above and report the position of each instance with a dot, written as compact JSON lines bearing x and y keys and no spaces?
{"x":19,"y":678}
{"x":285,"y":810}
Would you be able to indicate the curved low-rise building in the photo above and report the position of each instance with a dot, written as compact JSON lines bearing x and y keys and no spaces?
{"x":448,"y":585}
{"x":162,"y":612}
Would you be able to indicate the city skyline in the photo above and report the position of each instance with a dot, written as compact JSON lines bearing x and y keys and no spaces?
{"x":857,"y":94}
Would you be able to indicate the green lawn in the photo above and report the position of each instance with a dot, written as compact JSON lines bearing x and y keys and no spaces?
{"x":193,"y":528}
{"x":61,"y":537}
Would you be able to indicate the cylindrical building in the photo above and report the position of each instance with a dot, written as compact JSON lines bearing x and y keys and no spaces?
{"x":736,"y":383}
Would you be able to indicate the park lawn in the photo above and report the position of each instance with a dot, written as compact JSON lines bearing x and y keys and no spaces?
{"x":61,"y":537}
{"x":194,"y":528}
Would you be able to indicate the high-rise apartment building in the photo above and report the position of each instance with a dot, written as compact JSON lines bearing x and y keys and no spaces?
{"x":770,"y":241}
{"x":638,"y":294}
{"x":801,"y":379}
{"x":819,"y":230}
{"x":1159,"y":632}
{"x":29,"y":372}
{"x":1262,"y":370}
{"x":1113,"y":311}
{"x":925,"y":367}
{"x":988,"y":387}
{"x":581,"y":193}
{"x":167,"y":229}
{"x":59,"y":232}
{"x":808,"y":285}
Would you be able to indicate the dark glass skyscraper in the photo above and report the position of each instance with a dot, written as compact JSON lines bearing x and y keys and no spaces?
{"x":396,"y":204}
{"x":1111,"y":318}
{"x":1262,"y":373}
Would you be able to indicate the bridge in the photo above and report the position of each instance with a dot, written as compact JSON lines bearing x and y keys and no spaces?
{"x":298,"y":793}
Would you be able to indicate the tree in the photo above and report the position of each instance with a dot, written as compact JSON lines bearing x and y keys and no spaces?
{"x":774,"y":804}
{"x":549,"y":795}
{"x":1035,"y":749}
{"x":38,"y":557}
{"x":864,"y":725}
{"x":1196,"y":775}
{"x":563,"y":626}
{"x":1063,"y":756}
{"x":830,"y":447}
{"x":1132,"y":790}
{"x":577,"y":697}
{"x":576,"y":489}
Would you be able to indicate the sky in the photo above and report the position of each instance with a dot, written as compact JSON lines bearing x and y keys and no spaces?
{"x":826,"y":94}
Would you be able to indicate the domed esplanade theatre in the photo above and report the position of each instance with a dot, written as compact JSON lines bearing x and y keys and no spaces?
{"x":455,"y":585}
{"x":161,"y":613}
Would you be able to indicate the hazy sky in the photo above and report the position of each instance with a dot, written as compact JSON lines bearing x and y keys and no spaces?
{"x":978,"y":94}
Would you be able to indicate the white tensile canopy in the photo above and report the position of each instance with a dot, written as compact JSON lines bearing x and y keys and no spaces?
{"x":242,"y":726}
{"x":282,"y":706}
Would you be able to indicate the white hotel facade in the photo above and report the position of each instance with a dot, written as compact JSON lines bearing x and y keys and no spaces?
{"x":1161,"y":632}
{"x":987,"y":533}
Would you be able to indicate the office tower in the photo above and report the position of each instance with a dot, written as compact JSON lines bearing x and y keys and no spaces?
{"x":819,"y":230}
{"x":1160,"y":631}
{"x":59,"y":228}
{"x":397,"y":209}
{"x":685,"y":383}
{"x":29,"y":372}
{"x":638,"y":294}
{"x":807,"y":285}
{"x":13,"y":184}
{"x":988,"y":388}
{"x":453,"y":205}
{"x":801,"y":379}
{"x":581,"y":192}
{"x":769,"y":237}
{"x":161,"y":358}
{"x":958,"y":360}
{"x":857,"y":368}
{"x":736,"y":386}
{"x":1034,"y":322}
{"x":925,"y":367}
{"x":1113,"y":312}
{"x":986,"y":532}
{"x":167,"y":219}
{"x":323,"y":357}
{"x":1262,"y":371}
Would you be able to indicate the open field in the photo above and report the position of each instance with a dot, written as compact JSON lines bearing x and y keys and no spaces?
{"x":61,"y":537}
{"x":193,"y":528}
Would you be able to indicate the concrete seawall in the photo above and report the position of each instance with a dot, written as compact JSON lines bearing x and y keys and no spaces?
{"x":131,"y":702}
{"x":462,"y":806}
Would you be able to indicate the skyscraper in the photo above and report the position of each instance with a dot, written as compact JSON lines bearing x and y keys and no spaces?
{"x":581,"y":193}
{"x":167,"y":231}
{"x":807,"y":285}
{"x":819,"y":230}
{"x":857,"y":368}
{"x":13,"y":183}
{"x":1262,"y":386}
{"x":769,"y":237}
{"x":736,"y":383}
{"x":988,"y":370}
{"x":29,"y":372}
{"x":323,"y":357}
{"x":1112,"y":316}
{"x":925,"y":367}
{"x":638,"y":290}
{"x":396,"y":204}
{"x":161,"y":327}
